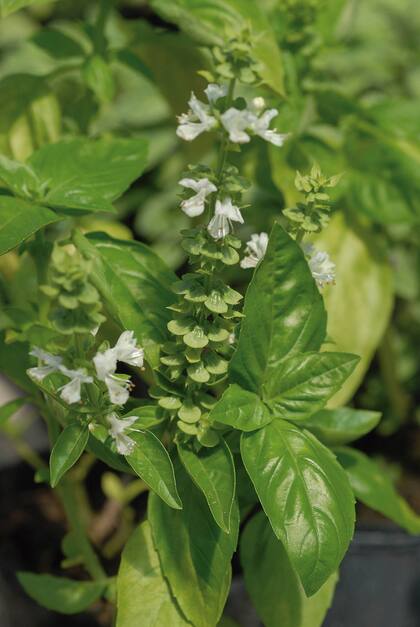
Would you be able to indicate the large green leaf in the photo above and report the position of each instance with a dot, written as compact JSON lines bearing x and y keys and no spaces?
{"x":18,"y":177}
{"x":214,"y":21}
{"x":20,"y":219}
{"x":240,"y":409}
{"x":88,"y":175}
{"x":374,"y":488}
{"x":143,"y":595}
{"x":302,"y":384}
{"x":59,"y":593}
{"x":151,"y":462}
{"x":340,"y":426}
{"x":213,"y":471}
{"x":10,"y":6}
{"x":67,"y":449}
{"x":194,"y":552}
{"x":284,"y":313}
{"x":273,"y":584}
{"x":306,"y":496}
{"x":359,"y":305}
{"x":135,"y":284}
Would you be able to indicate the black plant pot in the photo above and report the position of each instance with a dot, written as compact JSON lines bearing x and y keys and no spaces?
{"x":379,"y":584}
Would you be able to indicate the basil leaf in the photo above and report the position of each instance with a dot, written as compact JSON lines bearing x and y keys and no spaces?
{"x":135,"y":284}
{"x":374,"y":488}
{"x":59,"y":593}
{"x":213,"y":471}
{"x":284,"y":313}
{"x":302,"y":384}
{"x":17,"y":176}
{"x":306,"y":496}
{"x":86,"y":174}
{"x":8,"y":409}
{"x":151,"y":462}
{"x":57,"y":44}
{"x":194,"y":552}
{"x":67,"y":449}
{"x":20,"y":219}
{"x":340,"y":426}
{"x":265,"y":564}
{"x":240,"y":409}
{"x":143,"y":595}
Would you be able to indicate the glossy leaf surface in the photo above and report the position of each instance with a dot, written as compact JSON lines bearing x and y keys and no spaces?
{"x":340,"y":426}
{"x":20,"y":219}
{"x":213,"y":471}
{"x":194,"y":552}
{"x":240,"y":409}
{"x":272,"y":583}
{"x":284,"y":313}
{"x":143,"y":595}
{"x":67,"y":449}
{"x":151,"y":462}
{"x":305,"y":495}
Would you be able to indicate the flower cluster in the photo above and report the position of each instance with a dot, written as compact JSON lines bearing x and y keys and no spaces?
{"x":240,"y":123}
{"x":103,"y":372}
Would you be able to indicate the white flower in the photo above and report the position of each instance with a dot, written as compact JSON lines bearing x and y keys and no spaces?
{"x":260,"y":127}
{"x":52,"y":363}
{"x":255,"y":250}
{"x":224,"y":214}
{"x":126,"y":350}
{"x":70,"y":392}
{"x":214,"y":91}
{"x":118,"y":387}
{"x":194,"y":206}
{"x":105,"y":362}
{"x":196,"y":121}
{"x":239,"y":123}
{"x":235,"y":122}
{"x":321,"y":266}
{"x":118,"y":426}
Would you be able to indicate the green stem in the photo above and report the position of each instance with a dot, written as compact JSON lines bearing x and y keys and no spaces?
{"x":398,"y":398}
{"x":103,"y":14}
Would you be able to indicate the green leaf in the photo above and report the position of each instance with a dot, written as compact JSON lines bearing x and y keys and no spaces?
{"x":135,"y":283}
{"x":340,"y":426}
{"x":17,"y":176}
{"x":57,"y":44}
{"x":306,"y":496}
{"x":266,"y":565}
{"x":86,"y":174}
{"x":108,"y":457}
{"x":148,"y":416}
{"x":14,"y":362}
{"x":59,"y":593}
{"x":8,"y":409}
{"x":194,"y":552}
{"x":214,"y":21}
{"x":98,"y":76}
{"x":240,"y":409}
{"x":374,"y":488}
{"x":213,"y":471}
{"x":302,"y":385}
{"x":143,"y":595}
{"x":67,"y":449}
{"x":284,"y":313}
{"x":359,"y":305}
{"x":151,"y":462}
{"x":19,"y":220}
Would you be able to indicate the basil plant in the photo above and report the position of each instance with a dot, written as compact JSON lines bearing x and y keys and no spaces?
{"x":206,"y":400}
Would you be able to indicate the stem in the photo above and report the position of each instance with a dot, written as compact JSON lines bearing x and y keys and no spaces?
{"x":103,"y":14}
{"x":224,"y":149}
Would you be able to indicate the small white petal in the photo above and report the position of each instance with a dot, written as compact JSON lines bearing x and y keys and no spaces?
{"x":118,"y":426}
{"x":224,"y":214}
{"x":214,"y":91}
{"x":70,"y":393}
{"x":105,"y":363}
{"x":320,"y":264}
{"x":118,"y":389}
{"x":196,"y":121}
{"x":255,"y":250}
{"x":126,"y":350}
{"x":235,"y":122}
{"x":40,"y":372}
{"x":195,"y":205}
